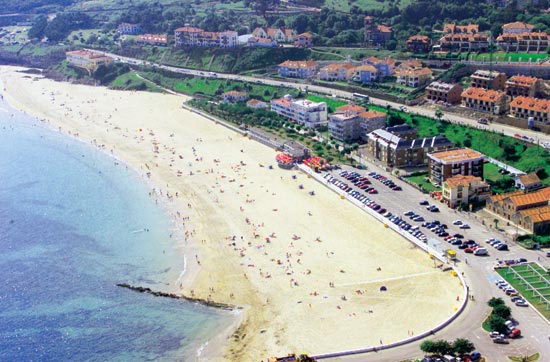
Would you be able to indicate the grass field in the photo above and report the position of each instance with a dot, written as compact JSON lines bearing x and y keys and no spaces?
{"x":131,"y":81}
{"x":535,"y":281}
{"x":490,"y":172}
{"x":332,"y":104}
{"x":420,"y":181}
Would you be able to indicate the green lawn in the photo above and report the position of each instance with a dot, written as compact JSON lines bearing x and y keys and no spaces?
{"x":490,"y":172}
{"x":420,"y":181}
{"x":505,"y":57}
{"x":332,"y":104}
{"x":212,"y":87}
{"x":522,"y":289}
{"x":129,"y":81}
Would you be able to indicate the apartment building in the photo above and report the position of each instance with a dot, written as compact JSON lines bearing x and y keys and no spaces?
{"x":463,"y":38}
{"x":153,"y":39}
{"x":370,"y":121}
{"x":337,"y":72}
{"x":365,"y":74}
{"x":350,"y":125}
{"x":517,"y":27}
{"x":444,"y":92}
{"x":394,"y":151}
{"x":522,"y":85}
{"x":488,"y":79}
{"x":385,"y":67}
{"x":256,"y":104}
{"x":195,"y":37}
{"x":298,"y":68}
{"x":128,"y":29}
{"x":87,"y":59}
{"x":528,"y":107}
{"x":459,"y":161}
{"x":413,"y":77}
{"x":485,"y":100}
{"x":302,"y":111}
{"x":280,"y":35}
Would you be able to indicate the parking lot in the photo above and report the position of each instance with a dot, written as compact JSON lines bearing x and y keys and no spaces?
{"x":462,"y":232}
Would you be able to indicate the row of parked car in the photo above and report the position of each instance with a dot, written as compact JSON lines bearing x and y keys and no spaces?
{"x":497,"y":244}
{"x":512,"y":293}
{"x":386,"y":181}
{"x":362,"y":182}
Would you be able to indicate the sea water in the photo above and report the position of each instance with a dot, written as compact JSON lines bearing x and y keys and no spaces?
{"x":73,"y":224}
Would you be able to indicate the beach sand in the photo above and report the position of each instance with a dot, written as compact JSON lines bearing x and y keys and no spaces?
{"x":307,"y":268}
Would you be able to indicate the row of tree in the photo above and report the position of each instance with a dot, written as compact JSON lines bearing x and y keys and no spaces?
{"x":459,"y":346}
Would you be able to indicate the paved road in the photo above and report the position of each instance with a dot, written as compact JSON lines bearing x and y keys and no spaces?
{"x":303,"y":85}
{"x":478,"y":271}
{"x":479,"y":275}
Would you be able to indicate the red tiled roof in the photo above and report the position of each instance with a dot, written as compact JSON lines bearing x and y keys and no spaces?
{"x":419,"y":38}
{"x":455,"y":29}
{"x":384,"y":28}
{"x":336,"y":66}
{"x":372,"y":114}
{"x":306,"y":35}
{"x":518,"y":24}
{"x":489,"y":95}
{"x":350,"y":108}
{"x":529,"y":103}
{"x":522,"y":80}
{"x":456,"y":155}
{"x":461,"y":180}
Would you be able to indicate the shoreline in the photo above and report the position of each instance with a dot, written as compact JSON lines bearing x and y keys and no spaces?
{"x":277,"y":311}
{"x":212,"y":349}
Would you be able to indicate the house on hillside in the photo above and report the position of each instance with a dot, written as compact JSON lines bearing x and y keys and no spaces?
{"x":444,"y":92}
{"x":298,"y":68}
{"x":87,"y":59}
{"x":337,"y":72}
{"x":488,"y":79}
{"x":365,"y":74}
{"x":385,"y":67}
{"x":376,"y":35}
{"x":254,"y":42}
{"x":463,"y":38}
{"x":484,"y":100}
{"x":280,"y":35}
{"x":528,"y":107}
{"x":413,"y":77}
{"x":128,"y":29}
{"x":153,"y":39}
{"x":304,"y":40}
{"x":522,"y":85}
{"x":419,"y":44}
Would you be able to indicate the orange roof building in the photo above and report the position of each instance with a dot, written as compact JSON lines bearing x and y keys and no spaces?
{"x":528,"y":182}
{"x":337,"y":72}
{"x":419,"y":44}
{"x":350,"y":108}
{"x":443,"y":165}
{"x":522,"y":85}
{"x":195,"y":37}
{"x":463,"y":37}
{"x":304,"y":40}
{"x":87,"y":59}
{"x":528,"y":107}
{"x":413,"y":77}
{"x":298,"y":68}
{"x":524,"y":42}
{"x":485,"y":100}
{"x":530,"y":211}
{"x":153,"y":39}
{"x":463,"y":190}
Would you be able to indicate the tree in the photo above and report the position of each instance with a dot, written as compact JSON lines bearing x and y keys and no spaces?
{"x":493,"y":302}
{"x":443,"y":347}
{"x":496,"y":223}
{"x":438,"y":114}
{"x":462,"y":346}
{"x":502,"y":311}
{"x":497,"y":323}
{"x":428,"y":346}
{"x":37,"y":29}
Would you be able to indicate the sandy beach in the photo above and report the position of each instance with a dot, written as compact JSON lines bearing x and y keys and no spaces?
{"x":307,"y":269}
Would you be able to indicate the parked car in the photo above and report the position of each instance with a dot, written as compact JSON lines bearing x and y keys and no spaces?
{"x":501,"y":340}
{"x":521,"y":260}
{"x":424,"y":202}
{"x":521,"y":303}
{"x":502,"y":247}
{"x":457,"y":222}
{"x":515,"y":333}
{"x":464,"y":226}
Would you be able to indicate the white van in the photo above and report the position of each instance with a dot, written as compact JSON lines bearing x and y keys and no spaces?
{"x":481,"y":251}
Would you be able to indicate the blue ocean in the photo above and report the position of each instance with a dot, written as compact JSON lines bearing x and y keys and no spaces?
{"x":73,"y":224}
